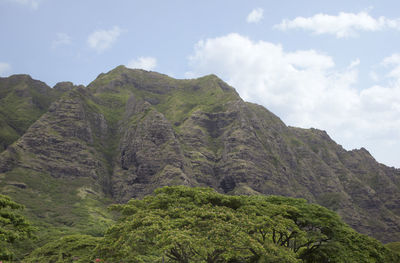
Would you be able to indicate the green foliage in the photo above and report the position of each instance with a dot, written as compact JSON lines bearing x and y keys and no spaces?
{"x":394,"y":246}
{"x":203,"y":94}
{"x":57,"y":206}
{"x":180,"y":224}
{"x":187,"y":225}
{"x":13,"y":226}
{"x":74,"y":248}
{"x":328,"y":239}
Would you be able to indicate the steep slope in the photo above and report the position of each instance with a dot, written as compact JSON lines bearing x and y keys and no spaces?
{"x":131,"y":131}
{"x":57,"y":173}
{"x":22,"y":101}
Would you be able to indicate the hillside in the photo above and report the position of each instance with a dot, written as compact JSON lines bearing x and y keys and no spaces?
{"x":132,"y":131}
{"x":22,"y":101}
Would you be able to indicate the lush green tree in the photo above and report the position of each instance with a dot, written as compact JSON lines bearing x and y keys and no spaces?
{"x":185,"y":225}
{"x":72,"y":248}
{"x":180,"y":224}
{"x":13,"y":226}
{"x":394,"y":246}
{"x":307,"y":227}
{"x":325,"y":238}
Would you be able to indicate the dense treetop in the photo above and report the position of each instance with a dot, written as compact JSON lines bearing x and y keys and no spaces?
{"x":180,"y":224}
{"x":13,"y":226}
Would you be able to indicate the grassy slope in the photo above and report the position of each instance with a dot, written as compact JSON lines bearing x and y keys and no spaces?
{"x":57,"y":206}
{"x":176,"y":99}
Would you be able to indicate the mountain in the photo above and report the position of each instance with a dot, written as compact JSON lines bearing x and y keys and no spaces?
{"x":22,"y":101}
{"x":132,"y":131}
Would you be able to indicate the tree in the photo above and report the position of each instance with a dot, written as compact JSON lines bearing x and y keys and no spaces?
{"x":72,"y":248}
{"x":312,"y":226}
{"x":184,"y":225}
{"x":181,"y":224}
{"x":13,"y":226}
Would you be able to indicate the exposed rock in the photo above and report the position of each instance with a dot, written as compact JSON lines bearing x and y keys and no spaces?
{"x":64,"y":86}
{"x":18,"y":184}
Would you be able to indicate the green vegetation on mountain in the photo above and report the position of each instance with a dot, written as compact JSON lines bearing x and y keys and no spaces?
{"x":22,"y":101}
{"x":58,"y":207}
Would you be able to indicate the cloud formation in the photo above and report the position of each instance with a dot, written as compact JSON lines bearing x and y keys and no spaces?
{"x":62,"y":39}
{"x":393,"y":61}
{"x":5,"y":68}
{"x":306,"y":89}
{"x":342,"y":25}
{"x":255,"y":15}
{"x":101,"y":40}
{"x":146,"y":63}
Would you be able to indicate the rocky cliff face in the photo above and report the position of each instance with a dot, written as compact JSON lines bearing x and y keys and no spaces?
{"x":131,"y":131}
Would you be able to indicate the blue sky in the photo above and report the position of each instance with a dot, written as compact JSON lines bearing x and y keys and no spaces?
{"x":332,"y":65}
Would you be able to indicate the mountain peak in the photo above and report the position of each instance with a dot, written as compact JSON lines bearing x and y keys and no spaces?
{"x":20,"y":77}
{"x":155,"y":83}
{"x":64,"y":86}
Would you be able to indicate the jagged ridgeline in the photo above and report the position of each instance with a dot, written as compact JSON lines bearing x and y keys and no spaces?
{"x":72,"y":150}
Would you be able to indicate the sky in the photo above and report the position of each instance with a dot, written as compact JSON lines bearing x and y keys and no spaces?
{"x":330,"y":65}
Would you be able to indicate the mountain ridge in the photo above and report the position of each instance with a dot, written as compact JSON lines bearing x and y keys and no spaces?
{"x":132,"y":131}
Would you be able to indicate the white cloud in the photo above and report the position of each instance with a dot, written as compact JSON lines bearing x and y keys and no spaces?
{"x":34,"y":4}
{"x":342,"y":25}
{"x":5,"y":68}
{"x":147,"y":63}
{"x":306,"y":89}
{"x":393,"y":60}
{"x":354,"y":63}
{"x":62,"y":39}
{"x":255,"y":15}
{"x":101,"y":40}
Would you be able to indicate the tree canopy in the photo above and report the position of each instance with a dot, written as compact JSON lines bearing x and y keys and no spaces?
{"x":180,"y":224}
{"x":71,"y":248}
{"x":13,"y":226}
